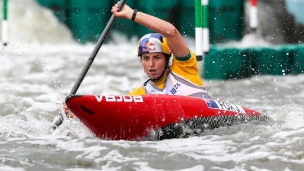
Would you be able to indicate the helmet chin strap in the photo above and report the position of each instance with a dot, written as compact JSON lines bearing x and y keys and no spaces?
{"x":155,"y":79}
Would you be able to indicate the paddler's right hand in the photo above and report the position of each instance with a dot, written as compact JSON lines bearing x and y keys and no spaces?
{"x":66,"y":110}
{"x":125,"y":12}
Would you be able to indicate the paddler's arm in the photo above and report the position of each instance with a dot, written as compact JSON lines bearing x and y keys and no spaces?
{"x":175,"y":41}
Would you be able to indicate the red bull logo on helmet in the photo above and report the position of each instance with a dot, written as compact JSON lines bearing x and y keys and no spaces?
{"x":148,"y":47}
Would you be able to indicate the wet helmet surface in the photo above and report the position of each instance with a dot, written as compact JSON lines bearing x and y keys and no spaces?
{"x":153,"y":42}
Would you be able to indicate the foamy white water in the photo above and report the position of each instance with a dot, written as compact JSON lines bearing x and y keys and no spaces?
{"x":36,"y":77}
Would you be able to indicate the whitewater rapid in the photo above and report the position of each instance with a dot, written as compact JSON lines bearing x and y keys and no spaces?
{"x":37,"y":73}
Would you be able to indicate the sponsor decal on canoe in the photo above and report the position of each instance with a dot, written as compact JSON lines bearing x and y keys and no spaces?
{"x":119,"y":98}
{"x":225,"y":106}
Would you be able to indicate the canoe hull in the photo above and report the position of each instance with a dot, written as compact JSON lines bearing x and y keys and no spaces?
{"x":163,"y":116}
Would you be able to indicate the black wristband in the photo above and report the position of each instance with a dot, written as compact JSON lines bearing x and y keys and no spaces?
{"x":134,"y":14}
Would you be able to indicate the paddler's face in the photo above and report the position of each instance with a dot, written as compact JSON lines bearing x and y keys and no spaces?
{"x":154,"y":64}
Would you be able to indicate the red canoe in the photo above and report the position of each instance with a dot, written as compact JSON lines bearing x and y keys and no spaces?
{"x":155,"y":117}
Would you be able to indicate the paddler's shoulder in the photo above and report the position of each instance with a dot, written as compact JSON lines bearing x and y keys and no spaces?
{"x":137,"y":91}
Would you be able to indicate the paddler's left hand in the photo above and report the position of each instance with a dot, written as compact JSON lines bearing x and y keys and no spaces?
{"x":66,"y":110}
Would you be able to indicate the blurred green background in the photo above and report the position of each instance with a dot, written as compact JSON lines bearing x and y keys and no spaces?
{"x":87,"y":18}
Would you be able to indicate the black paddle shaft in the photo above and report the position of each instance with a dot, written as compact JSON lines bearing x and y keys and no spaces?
{"x":90,"y":61}
{"x":95,"y":51}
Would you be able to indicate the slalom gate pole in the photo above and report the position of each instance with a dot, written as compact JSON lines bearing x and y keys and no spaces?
{"x":198,"y":31}
{"x":253,"y":22}
{"x":5,"y":23}
{"x":205,"y":24}
{"x":202,"y":42}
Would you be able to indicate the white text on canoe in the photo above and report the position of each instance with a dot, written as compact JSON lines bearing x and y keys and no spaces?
{"x":119,"y":98}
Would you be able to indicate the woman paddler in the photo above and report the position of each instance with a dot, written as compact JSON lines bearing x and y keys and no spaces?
{"x":155,"y":51}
